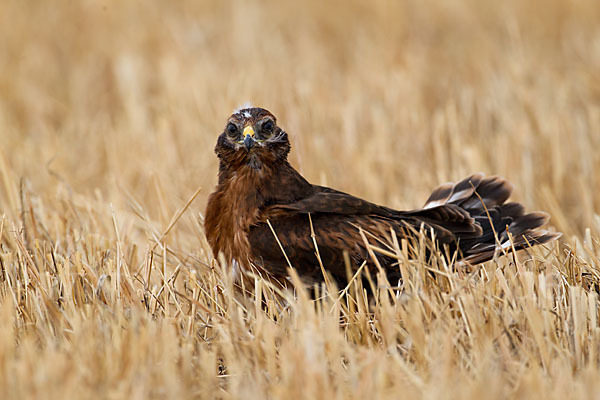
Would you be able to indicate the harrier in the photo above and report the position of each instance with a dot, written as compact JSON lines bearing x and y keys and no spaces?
{"x":264,"y":214}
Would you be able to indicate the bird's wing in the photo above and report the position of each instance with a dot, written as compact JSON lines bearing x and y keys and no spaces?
{"x":330,"y":203}
{"x":286,"y":234}
{"x":446,"y":219}
{"x":301,"y":240}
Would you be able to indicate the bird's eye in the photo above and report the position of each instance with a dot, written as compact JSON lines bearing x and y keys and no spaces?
{"x":231,"y":129}
{"x":268,"y":126}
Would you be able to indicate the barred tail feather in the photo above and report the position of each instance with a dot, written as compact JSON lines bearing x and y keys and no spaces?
{"x":483,"y":199}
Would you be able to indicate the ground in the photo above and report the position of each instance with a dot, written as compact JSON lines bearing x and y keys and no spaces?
{"x":109,"y":112}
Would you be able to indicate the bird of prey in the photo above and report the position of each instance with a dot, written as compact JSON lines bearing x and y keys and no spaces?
{"x":264,"y":214}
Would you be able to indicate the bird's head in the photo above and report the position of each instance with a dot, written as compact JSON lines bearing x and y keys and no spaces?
{"x":252,"y":137}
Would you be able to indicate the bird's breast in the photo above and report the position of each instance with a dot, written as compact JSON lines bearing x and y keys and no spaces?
{"x":232,"y":209}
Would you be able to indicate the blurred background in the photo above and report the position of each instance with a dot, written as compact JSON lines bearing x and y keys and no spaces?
{"x":109,"y":113}
{"x":117,"y":101}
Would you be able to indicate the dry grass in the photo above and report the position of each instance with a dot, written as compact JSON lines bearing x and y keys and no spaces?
{"x":109,"y":111}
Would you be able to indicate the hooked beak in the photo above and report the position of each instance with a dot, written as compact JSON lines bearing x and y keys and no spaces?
{"x":248,"y":142}
{"x":248,"y":137}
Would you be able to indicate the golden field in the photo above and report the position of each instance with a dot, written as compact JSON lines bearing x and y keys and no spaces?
{"x":109,"y":112}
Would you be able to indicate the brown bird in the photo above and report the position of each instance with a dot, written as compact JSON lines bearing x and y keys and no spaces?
{"x":263,"y":212}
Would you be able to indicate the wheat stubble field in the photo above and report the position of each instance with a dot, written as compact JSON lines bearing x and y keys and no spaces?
{"x":109,"y":112}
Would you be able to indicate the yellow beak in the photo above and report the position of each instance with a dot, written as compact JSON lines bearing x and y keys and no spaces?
{"x":248,"y":131}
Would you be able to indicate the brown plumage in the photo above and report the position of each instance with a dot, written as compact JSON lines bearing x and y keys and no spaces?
{"x":259,"y":193}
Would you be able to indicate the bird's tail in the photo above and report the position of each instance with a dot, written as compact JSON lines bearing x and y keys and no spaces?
{"x":499,"y":225}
